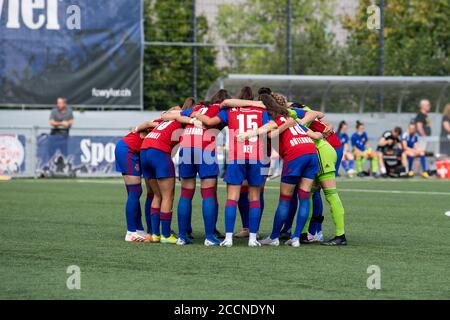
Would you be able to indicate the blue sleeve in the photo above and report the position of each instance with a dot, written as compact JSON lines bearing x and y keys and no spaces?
{"x":354,"y":140}
{"x":303,"y":127}
{"x":344,"y":138}
{"x":266,"y":118}
{"x":223,"y":115}
{"x":187,"y":112}
{"x":365,"y":136}
{"x":300,"y":113}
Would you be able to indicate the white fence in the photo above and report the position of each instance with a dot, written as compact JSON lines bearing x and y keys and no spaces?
{"x":33,"y":124}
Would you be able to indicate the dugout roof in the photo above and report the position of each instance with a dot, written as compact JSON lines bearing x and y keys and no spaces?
{"x":347,"y":93}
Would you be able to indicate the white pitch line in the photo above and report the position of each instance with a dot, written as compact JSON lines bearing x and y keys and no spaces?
{"x":221,"y":185}
{"x":373,"y":191}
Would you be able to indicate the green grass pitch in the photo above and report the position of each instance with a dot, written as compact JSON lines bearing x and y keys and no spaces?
{"x":48,"y":225}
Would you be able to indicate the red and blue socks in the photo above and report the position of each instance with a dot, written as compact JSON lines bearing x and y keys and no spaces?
{"x":148,"y":207}
{"x":133,"y":206}
{"x":254,"y":216}
{"x":209,"y":207}
{"x":244,"y":206}
{"x":154,"y":214}
{"x":280,"y":215}
{"x":230,"y":215}
{"x":315,"y":225}
{"x":303,"y":212}
{"x":185,"y":212}
{"x":292,"y":211}
{"x":139,"y":225}
{"x":261,"y":200}
{"x":166,"y":220}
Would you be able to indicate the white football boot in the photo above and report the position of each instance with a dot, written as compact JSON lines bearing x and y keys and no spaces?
{"x":226,"y":243}
{"x":294,"y":242}
{"x":270,"y":242}
{"x":134,"y":237}
{"x":254,"y":243}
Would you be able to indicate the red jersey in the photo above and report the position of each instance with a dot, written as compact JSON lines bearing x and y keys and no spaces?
{"x":333,"y":139}
{"x":134,"y":141}
{"x":241,"y":120}
{"x":164,"y":137}
{"x":294,"y":142}
{"x":197,"y":137}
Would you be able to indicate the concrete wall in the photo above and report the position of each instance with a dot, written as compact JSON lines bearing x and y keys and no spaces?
{"x":119,"y":122}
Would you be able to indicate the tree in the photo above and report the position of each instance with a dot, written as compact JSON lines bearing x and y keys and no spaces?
{"x":417,"y":39}
{"x":168,"y":69}
{"x":264,"y":21}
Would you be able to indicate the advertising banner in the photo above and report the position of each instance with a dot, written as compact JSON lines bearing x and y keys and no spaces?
{"x":88,"y":51}
{"x":12,"y":154}
{"x":76,"y":156}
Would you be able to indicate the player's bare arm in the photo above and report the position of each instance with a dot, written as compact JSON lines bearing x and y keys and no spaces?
{"x":145,"y":126}
{"x":311,"y":116}
{"x":238,"y":103}
{"x":207,"y":121}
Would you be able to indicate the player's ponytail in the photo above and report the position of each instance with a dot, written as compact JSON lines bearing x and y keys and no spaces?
{"x":220,"y":95}
{"x":358,"y":124}
{"x":188,"y":103}
{"x":246,"y":93}
{"x":262,"y":91}
{"x":280,"y":99}
{"x":341,"y":125}
{"x":273,"y":108}
{"x":205,"y":103}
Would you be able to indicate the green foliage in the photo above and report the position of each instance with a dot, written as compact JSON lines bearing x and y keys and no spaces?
{"x":168,"y":70}
{"x":264,"y":22}
{"x":417,"y":42}
{"x":417,"y":39}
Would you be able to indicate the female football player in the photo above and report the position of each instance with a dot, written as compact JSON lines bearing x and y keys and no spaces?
{"x":348,"y":159}
{"x":127,"y":154}
{"x":245,"y":162}
{"x":198,"y":157}
{"x":362,"y":150}
{"x":410,"y":143}
{"x":308,"y":117}
{"x":299,"y":169}
{"x":159,"y":173}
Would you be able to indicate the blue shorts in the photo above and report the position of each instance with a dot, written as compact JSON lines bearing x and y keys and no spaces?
{"x":306,"y":166}
{"x":340,"y":154}
{"x":157,"y":164}
{"x":195,"y":161}
{"x":128,"y":162}
{"x":238,"y":171}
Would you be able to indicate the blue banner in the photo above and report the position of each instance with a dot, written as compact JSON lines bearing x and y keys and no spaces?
{"x":12,"y":154}
{"x":76,"y":156}
{"x":88,"y":51}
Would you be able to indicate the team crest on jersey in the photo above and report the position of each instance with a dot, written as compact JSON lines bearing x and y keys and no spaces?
{"x":136,"y":167}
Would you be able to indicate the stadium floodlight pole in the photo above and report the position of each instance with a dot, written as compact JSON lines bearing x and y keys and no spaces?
{"x":289,"y":37}
{"x":381,"y":54}
{"x":194,"y":49}
{"x":289,"y":43}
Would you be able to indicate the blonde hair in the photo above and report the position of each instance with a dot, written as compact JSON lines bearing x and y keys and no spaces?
{"x":280,"y":99}
{"x":447,"y":110}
